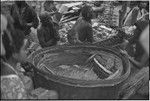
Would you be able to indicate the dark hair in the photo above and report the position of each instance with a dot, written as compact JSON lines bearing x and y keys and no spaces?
{"x":86,"y":13}
{"x":15,"y":46}
{"x":46,"y":20}
{"x":12,"y":39}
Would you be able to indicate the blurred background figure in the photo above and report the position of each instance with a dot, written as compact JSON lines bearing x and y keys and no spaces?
{"x":49,"y":8}
{"x":82,"y":30}
{"x":47,"y":34}
{"x":24,"y":16}
{"x":139,"y":54}
{"x":144,"y":39}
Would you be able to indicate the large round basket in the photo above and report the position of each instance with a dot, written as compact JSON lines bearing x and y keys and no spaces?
{"x":69,"y":88}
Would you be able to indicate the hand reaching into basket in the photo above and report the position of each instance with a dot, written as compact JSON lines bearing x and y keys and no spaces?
{"x":41,"y":93}
{"x":38,"y":93}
